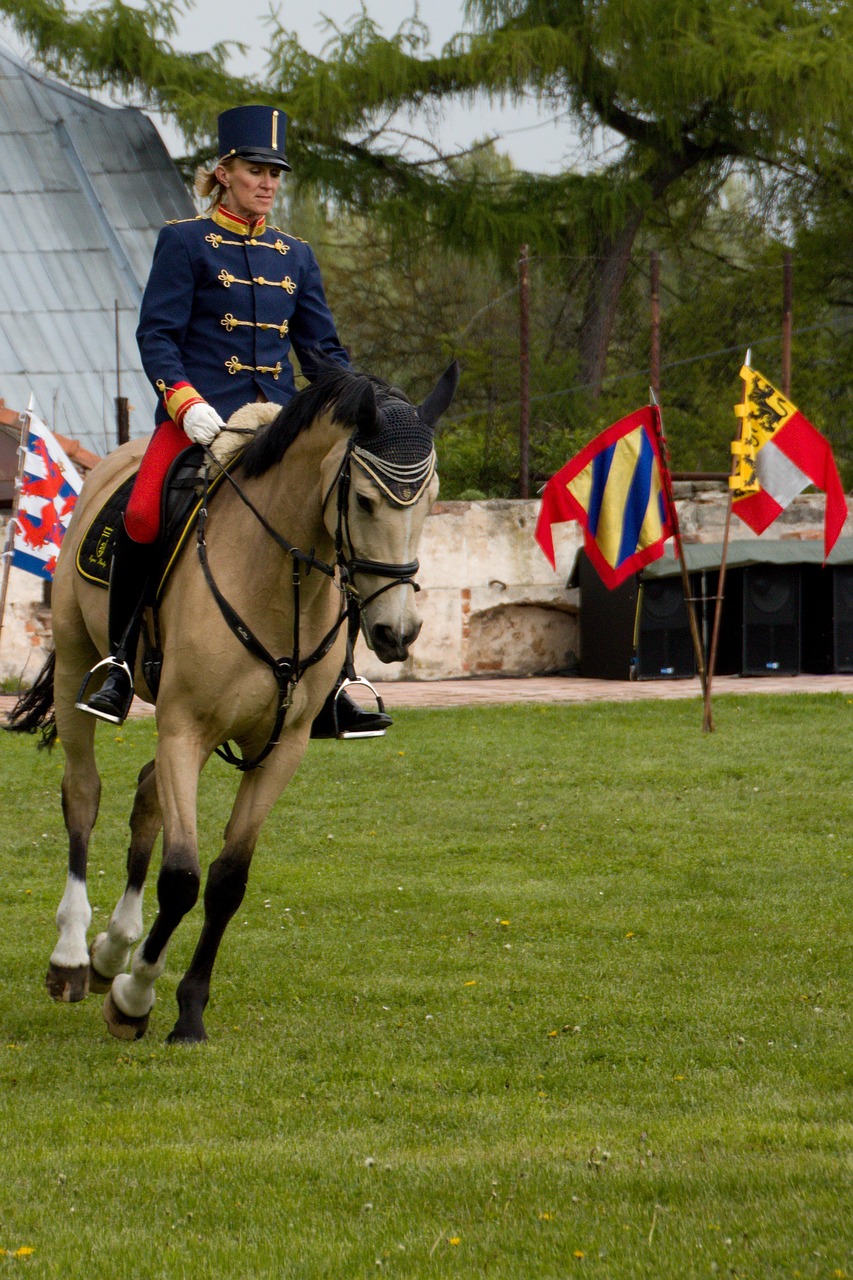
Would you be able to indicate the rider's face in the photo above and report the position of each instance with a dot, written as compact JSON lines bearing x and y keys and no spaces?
{"x":250,"y":188}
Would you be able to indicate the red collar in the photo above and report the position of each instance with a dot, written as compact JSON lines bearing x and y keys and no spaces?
{"x":233,"y":222}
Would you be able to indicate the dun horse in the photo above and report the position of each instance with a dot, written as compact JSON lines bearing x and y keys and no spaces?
{"x":326,"y":506}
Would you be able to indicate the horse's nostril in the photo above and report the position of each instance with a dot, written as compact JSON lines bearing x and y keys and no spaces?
{"x":384,"y":636}
{"x":393,"y":643}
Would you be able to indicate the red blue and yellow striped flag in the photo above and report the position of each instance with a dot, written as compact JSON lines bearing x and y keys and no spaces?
{"x":614,"y":489}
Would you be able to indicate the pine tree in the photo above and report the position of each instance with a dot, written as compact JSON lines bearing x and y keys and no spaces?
{"x":688,"y":90}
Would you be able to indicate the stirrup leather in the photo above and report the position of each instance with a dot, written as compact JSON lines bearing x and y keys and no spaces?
{"x":112,"y":664}
{"x":380,"y":710}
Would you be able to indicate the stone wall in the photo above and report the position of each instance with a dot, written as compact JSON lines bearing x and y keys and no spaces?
{"x":26,"y":637}
{"x":490,"y":601}
{"x":492,"y":604}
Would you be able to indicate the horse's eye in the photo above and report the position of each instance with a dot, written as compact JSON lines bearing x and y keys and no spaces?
{"x":365,"y":503}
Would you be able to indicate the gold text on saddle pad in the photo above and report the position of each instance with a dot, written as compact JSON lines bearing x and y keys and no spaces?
{"x":94,"y":553}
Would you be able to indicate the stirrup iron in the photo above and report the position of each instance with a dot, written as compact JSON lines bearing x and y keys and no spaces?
{"x":380,"y":710}
{"x":111,"y":664}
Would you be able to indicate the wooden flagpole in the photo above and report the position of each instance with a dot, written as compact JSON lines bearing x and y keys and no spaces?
{"x":698,"y":649}
{"x":24,"y":419}
{"x":721,"y":580}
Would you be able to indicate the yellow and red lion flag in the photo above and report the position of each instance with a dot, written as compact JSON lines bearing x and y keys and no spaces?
{"x":779,"y":453}
{"x":614,"y":489}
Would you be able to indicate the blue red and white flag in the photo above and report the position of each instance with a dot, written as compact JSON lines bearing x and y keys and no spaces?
{"x":614,"y":488}
{"x":49,"y":487}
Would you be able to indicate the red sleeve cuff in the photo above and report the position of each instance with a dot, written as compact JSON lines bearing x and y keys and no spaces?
{"x":179,"y":399}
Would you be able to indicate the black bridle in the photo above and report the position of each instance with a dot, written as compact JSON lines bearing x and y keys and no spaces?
{"x":349,"y":566}
{"x":288,"y":671}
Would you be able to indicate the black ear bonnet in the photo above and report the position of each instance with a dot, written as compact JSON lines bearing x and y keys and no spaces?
{"x":398,"y":454}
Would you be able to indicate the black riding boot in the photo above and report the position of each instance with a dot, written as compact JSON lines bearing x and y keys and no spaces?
{"x":130,"y":574}
{"x":341,"y":717}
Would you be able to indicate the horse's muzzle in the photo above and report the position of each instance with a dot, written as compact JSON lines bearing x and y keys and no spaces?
{"x":391,"y":644}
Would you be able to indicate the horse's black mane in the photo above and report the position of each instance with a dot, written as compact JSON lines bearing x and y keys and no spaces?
{"x":336,"y":389}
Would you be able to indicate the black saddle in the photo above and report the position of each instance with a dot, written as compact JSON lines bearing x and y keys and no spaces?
{"x":181,"y":502}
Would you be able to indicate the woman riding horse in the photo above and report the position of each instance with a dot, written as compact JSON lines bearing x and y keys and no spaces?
{"x":326,"y":505}
{"x":227,"y":298}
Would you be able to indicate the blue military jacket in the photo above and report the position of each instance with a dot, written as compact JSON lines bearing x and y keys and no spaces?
{"x":224,"y":304}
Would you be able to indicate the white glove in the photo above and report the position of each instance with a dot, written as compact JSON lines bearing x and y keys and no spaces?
{"x":202,"y":423}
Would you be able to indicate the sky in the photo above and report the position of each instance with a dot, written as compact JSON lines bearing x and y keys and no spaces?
{"x":532,"y":137}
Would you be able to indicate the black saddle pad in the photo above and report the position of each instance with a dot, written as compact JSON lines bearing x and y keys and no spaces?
{"x":182,"y":496}
{"x":96,"y":550}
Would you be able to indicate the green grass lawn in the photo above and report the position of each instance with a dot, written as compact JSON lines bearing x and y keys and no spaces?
{"x":516,"y":992}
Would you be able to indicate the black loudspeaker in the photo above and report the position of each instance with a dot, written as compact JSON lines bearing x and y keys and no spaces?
{"x":771,"y":620}
{"x":729,"y":655}
{"x":664,"y":644}
{"x":842,"y":617}
{"x":606,"y":624}
{"x":816,"y":614}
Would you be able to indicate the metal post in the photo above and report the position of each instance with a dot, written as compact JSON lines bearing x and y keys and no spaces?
{"x":654,"y":299}
{"x":524,"y":372}
{"x":122,"y":419}
{"x":787,"y":318}
{"x":122,"y":407}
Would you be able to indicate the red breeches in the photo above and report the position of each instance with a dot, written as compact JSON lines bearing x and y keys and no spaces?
{"x":142,"y":517}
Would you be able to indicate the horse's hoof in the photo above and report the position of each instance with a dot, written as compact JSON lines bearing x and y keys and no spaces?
{"x":67,"y":985}
{"x":122,"y":1025}
{"x":187,"y":1032}
{"x":99,"y":983}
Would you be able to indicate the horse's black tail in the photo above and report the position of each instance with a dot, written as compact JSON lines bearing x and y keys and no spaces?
{"x":33,"y":712}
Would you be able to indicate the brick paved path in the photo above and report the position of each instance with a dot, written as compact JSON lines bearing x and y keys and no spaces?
{"x":554,"y":689}
{"x":559,"y":689}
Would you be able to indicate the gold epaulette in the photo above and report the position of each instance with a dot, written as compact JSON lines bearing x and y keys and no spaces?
{"x":289,"y":234}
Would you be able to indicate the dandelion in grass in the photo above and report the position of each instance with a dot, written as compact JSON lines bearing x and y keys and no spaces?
{"x":24,"y":1251}
{"x":545,"y":1217}
{"x":454,"y":1240}
{"x":578,"y":1253}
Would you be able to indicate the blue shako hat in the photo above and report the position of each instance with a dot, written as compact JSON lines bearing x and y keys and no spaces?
{"x":253,"y":133}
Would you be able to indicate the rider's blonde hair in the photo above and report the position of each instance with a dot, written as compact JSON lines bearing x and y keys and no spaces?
{"x":208,"y":185}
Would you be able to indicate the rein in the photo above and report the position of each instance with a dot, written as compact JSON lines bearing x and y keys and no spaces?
{"x":288,"y":671}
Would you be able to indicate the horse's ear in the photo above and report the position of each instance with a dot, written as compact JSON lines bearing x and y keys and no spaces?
{"x":438,"y":400}
{"x":365,"y":411}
